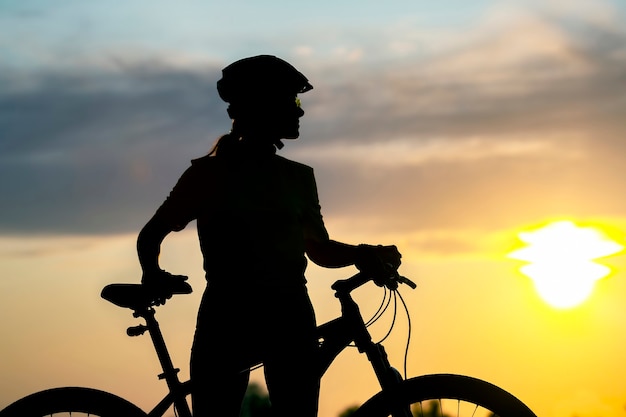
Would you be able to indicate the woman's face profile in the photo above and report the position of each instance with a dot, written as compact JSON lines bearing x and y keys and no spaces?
{"x":278,"y":117}
{"x":288,"y":118}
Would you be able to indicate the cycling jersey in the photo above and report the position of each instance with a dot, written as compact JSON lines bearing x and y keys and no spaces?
{"x":253,"y":215}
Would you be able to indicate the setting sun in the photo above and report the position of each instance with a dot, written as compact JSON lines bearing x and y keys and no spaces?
{"x":561,"y":261}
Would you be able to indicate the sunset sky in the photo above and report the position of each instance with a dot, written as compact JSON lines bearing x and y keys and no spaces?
{"x":444,"y":127}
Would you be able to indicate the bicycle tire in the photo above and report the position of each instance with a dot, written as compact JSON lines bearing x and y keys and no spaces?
{"x":72,"y":400}
{"x":421,"y":393}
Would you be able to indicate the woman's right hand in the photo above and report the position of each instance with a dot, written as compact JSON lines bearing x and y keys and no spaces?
{"x":380,"y":262}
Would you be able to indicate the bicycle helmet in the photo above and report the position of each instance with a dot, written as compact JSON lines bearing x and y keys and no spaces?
{"x":260,"y":76}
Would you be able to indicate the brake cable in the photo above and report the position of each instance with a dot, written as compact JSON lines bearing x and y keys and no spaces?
{"x":387,"y":297}
{"x":381,"y":308}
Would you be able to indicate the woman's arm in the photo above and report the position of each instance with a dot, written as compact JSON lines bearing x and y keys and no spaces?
{"x":172,"y":216}
{"x":333,"y":254}
{"x":149,"y":245}
{"x":330,"y":253}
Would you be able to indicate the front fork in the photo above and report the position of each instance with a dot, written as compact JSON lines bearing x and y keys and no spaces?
{"x":389,"y":378}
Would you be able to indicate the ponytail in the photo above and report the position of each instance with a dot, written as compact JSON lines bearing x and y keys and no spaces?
{"x":234,"y":143}
{"x":224,"y":145}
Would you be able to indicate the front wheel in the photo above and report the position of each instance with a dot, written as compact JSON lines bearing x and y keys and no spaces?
{"x":70,"y":401}
{"x":444,"y":395}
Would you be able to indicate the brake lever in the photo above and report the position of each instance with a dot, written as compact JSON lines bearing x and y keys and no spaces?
{"x":396,"y":278}
{"x":407,"y":281}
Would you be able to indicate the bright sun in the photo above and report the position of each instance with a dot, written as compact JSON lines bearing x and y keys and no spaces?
{"x":561,"y":265}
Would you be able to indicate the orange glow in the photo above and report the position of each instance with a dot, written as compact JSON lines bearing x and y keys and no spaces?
{"x":561,"y":261}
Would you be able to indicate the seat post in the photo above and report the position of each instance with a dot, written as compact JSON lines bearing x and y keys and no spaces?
{"x":169,"y":372}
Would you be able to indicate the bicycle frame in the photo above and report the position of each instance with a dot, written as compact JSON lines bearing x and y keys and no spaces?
{"x":350,"y":327}
{"x":334,"y":336}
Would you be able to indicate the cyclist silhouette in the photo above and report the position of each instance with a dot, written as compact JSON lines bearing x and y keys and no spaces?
{"x":257,"y":216}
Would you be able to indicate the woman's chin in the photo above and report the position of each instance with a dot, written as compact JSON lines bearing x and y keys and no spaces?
{"x":292,"y":135}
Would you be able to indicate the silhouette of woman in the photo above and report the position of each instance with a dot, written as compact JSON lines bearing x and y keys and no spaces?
{"x":257,"y":216}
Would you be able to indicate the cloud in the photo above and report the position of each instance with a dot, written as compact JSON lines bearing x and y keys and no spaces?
{"x":522,"y":72}
{"x":514,"y":119}
{"x":84,"y":153}
{"x":409,"y":151}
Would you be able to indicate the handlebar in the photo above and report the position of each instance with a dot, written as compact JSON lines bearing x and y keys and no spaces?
{"x":350,"y":284}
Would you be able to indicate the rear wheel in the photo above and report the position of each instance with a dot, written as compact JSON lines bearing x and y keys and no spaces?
{"x":72,"y":400}
{"x":445,"y":396}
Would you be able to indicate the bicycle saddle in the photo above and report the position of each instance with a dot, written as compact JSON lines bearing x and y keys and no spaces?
{"x":137,"y":296}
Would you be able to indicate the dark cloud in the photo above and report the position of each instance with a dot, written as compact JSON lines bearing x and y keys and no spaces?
{"x":93,"y":153}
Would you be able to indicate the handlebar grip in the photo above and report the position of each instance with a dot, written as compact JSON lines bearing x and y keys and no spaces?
{"x":350,"y":284}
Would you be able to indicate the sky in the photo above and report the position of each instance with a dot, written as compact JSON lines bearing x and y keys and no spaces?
{"x":446,"y":128}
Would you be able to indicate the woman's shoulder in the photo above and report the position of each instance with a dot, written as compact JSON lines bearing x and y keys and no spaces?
{"x":292,"y":165}
{"x":199,"y":168}
{"x":204,"y":164}
{"x":203,"y":161}
{"x":209,"y":163}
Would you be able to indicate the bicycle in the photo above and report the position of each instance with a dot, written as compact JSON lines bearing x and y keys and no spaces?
{"x":426,"y":395}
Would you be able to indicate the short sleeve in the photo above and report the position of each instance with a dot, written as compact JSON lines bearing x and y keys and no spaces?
{"x":182,"y":204}
{"x":314,"y":228}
